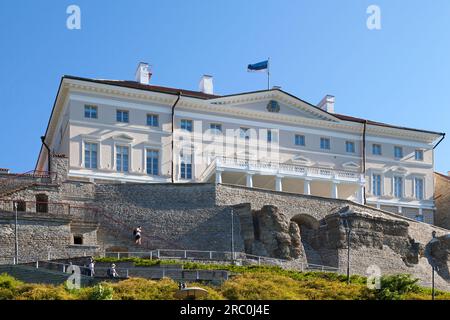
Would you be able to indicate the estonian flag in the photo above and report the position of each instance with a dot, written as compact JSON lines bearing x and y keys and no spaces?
{"x":258,"y":67}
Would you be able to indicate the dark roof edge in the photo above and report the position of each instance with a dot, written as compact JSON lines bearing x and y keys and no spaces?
{"x":186,"y":93}
{"x":49,"y":120}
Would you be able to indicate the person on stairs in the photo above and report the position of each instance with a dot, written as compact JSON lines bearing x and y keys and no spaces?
{"x":137,"y":235}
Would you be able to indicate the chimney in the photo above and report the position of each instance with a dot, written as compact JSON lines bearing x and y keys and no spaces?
{"x":206,"y":84}
{"x":142,"y":73}
{"x":327,"y":103}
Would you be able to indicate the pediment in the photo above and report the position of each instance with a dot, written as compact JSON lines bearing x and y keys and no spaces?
{"x":351,"y":165}
{"x":399,"y":170}
{"x":273,"y":103}
{"x":123,"y":137}
{"x":299,"y":159}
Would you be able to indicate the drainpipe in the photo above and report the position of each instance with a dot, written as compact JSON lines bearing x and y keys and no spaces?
{"x":364,"y":159}
{"x":48,"y":153}
{"x":443,"y":136}
{"x":173,"y":132}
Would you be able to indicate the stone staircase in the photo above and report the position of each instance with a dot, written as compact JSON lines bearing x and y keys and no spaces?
{"x":31,"y":274}
{"x":17,"y":182}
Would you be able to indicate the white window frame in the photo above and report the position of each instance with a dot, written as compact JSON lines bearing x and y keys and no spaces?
{"x":401,"y":150}
{"x":214,"y":130}
{"x":295,"y":140}
{"x":130,"y":157}
{"x":423,"y":186}
{"x":422,"y":152}
{"x":90,"y":106}
{"x":354,"y":147}
{"x":91,"y":139}
{"x":146,"y":119}
{"x":403,"y":186}
{"x":373,"y":149}
{"x":146,"y":149}
{"x":189,"y":120}
{"x":186,"y":160}
{"x":123,"y":110}
{"x":329,"y":143}
{"x":381,"y":183}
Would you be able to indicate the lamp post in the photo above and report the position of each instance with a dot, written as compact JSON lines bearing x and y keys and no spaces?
{"x":348,"y":230}
{"x":16,"y":237}
{"x":434,"y":268}
{"x":232,"y":234}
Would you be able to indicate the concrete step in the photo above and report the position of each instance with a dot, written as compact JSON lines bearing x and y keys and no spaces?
{"x":30,"y":274}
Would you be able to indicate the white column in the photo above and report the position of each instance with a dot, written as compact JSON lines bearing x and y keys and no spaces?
{"x":218,"y":176}
{"x":307,"y":187}
{"x":249,"y":180}
{"x":278,"y":183}
{"x":361,"y":194}
{"x":334,"y":190}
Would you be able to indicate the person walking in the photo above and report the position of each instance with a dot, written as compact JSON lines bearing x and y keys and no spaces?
{"x":138,"y":235}
{"x":91,"y":267}
{"x":112,"y":273}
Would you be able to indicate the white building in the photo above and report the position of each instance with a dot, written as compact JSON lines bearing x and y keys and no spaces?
{"x":131,"y":131}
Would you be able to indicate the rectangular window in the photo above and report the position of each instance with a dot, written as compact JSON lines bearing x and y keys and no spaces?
{"x":418,"y":155}
{"x":90,"y":155}
{"x":122,"y":153}
{"x":186,"y":125}
{"x":122,"y":116}
{"x":153,"y":120}
{"x":269,"y":136}
{"x":325,"y":143}
{"x":216,"y":128}
{"x":186,"y":170}
{"x":90,"y":112}
{"x":376,"y":185}
{"x":152,"y":162}
{"x":299,"y":140}
{"x":376,"y":149}
{"x":350,"y":146}
{"x":398,"y":152}
{"x":244,"y":133}
{"x":418,"y":188}
{"x":398,"y":187}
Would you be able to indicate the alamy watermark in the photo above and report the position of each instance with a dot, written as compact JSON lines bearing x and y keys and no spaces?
{"x":73,"y":21}
{"x":374,"y":19}
{"x":373,"y":273}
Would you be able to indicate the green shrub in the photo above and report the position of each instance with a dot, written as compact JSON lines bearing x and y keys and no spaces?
{"x":101,"y":292}
{"x":393,"y":287}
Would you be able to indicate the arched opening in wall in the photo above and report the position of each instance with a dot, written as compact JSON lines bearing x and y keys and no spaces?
{"x":21,"y":205}
{"x":42,"y":203}
{"x":78,"y":239}
{"x":309,"y":228}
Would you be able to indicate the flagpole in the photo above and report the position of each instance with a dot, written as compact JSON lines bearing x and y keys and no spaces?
{"x":268,"y":73}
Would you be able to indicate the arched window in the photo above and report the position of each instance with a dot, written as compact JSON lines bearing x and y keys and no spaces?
{"x":42,"y":203}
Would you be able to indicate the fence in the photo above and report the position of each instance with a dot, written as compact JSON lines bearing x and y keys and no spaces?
{"x":221,"y":256}
{"x":176,"y":273}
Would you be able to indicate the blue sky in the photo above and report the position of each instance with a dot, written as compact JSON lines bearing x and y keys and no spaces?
{"x":399,"y":74}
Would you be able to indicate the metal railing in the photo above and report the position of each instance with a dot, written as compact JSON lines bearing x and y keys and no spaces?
{"x":219,"y":256}
{"x":173,"y":272}
{"x":279,"y":168}
{"x":12,"y":182}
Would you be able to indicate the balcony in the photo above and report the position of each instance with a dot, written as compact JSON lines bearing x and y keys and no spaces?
{"x":280,"y":169}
